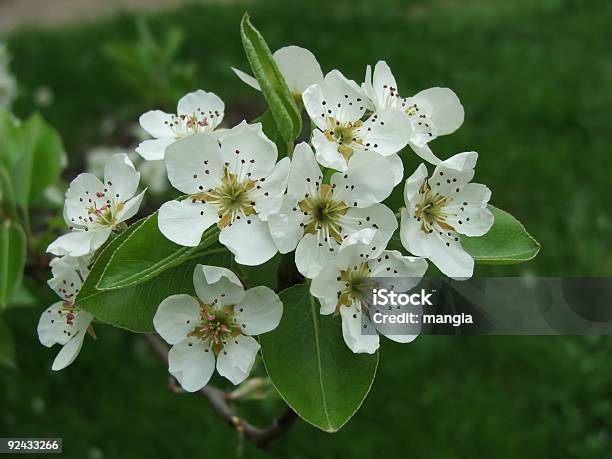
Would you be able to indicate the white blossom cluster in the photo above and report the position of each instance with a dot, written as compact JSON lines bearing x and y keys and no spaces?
{"x":324,"y":202}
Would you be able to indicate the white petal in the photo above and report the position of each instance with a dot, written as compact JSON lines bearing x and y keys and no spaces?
{"x":376,"y":216}
{"x":68,"y":353}
{"x":384,"y":85}
{"x":121,"y":177}
{"x":184,"y":222}
{"x":156,"y":123}
{"x":408,"y":270}
{"x":85,"y":191}
{"x":425,"y":153}
{"x":248,"y":238}
{"x":269,"y":197}
{"x":246,"y":78}
{"x":469,"y":208}
{"x":259,"y":312}
{"x":192,"y":363}
{"x":299,"y":67}
{"x":216,"y":285}
{"x":450,"y":175}
{"x":285,"y":226}
{"x":413,"y":183}
{"x":67,"y":278}
{"x":327,"y":152}
{"x":202,"y":104}
{"x":52,"y":327}
{"x":412,"y":237}
{"x":194,"y":163}
{"x":305,"y":174}
{"x":176,"y":316}
{"x":248,"y":152}
{"x":452,"y":260}
{"x":395,"y":165}
{"x":446,"y":110}
{"x":366,"y":181}
{"x":335,"y":97}
{"x":326,"y":287}
{"x":311,"y":255}
{"x":79,"y":243}
{"x":154,"y":149}
{"x":237,"y":358}
{"x":352,"y":331}
{"x":386,"y":131}
{"x":358,"y":247}
{"x":130,"y":208}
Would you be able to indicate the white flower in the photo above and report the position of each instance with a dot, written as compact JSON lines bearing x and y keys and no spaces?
{"x":337,"y":106}
{"x":234,"y":182}
{"x":344,"y":286}
{"x":432,"y":112}
{"x":94,"y":209}
{"x":440,"y":208}
{"x":198,"y":111}
{"x":315,"y":217}
{"x":8,"y":86}
{"x":64,"y":323}
{"x":220,"y":322}
{"x":298,"y":66}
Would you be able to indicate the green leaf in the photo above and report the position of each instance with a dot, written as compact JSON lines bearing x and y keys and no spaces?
{"x":311,"y":366}
{"x":285,"y":112}
{"x":40,"y":162}
{"x":7,"y":346}
{"x":11,"y":139}
{"x":146,"y":253}
{"x":507,"y":242}
{"x":12,"y":259}
{"x":133,"y":307}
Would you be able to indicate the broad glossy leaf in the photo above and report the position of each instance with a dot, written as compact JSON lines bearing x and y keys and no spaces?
{"x":311,"y":366}
{"x":282,"y":105}
{"x":507,"y":242}
{"x":147,"y":253}
{"x":133,"y":307}
{"x":12,"y":259}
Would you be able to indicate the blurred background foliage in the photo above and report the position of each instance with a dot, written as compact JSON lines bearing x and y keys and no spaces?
{"x":535,"y":77}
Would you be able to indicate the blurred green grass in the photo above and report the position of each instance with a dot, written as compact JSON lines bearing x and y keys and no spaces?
{"x":535,"y":78}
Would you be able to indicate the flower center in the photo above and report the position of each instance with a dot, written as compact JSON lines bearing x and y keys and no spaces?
{"x":324,"y":212}
{"x":183,"y":125}
{"x":344,"y":135}
{"x":356,"y":286}
{"x":216,"y":326}
{"x":105,"y":216}
{"x":430,"y":210}
{"x":231,"y":196}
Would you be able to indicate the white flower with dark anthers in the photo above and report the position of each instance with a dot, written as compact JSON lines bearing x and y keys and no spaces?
{"x":197,"y":112}
{"x":440,"y":208}
{"x":65,"y":323}
{"x":344,"y":286}
{"x":220,"y":322}
{"x":338,"y":106}
{"x":316,"y":217}
{"x":234,"y":182}
{"x":433,"y":112}
{"x":298,"y":66}
{"x":94,"y":209}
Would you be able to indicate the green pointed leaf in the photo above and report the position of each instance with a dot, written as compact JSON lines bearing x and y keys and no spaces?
{"x":311,"y":366}
{"x":507,"y":242}
{"x":40,"y":162}
{"x":133,"y":307}
{"x":146,"y":253}
{"x":11,"y":139}
{"x":285,"y":112}
{"x":12,"y":259}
